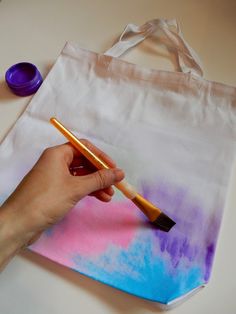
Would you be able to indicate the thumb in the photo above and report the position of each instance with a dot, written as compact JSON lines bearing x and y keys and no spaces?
{"x":99,"y":180}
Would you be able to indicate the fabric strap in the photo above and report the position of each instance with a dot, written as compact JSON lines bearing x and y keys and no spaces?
{"x":132,"y":35}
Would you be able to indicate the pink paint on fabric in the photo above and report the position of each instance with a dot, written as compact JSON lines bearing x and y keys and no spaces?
{"x":89,"y":229}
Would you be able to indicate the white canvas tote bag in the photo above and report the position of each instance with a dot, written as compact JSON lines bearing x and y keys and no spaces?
{"x":173,"y":133}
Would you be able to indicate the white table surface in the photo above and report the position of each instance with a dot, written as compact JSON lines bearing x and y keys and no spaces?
{"x":36,"y":31}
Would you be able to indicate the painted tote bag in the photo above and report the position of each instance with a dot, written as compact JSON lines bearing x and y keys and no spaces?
{"x":174,"y":134}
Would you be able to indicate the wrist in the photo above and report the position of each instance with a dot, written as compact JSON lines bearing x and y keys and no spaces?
{"x":13,"y":234}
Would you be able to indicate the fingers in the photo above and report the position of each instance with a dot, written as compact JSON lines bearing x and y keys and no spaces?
{"x":99,"y":153}
{"x":80,"y":166}
{"x":104,"y":195}
{"x":98,"y":180}
{"x":69,"y":153}
{"x":65,"y":152}
{"x":109,"y":191}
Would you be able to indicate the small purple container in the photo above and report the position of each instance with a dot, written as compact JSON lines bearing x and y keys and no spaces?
{"x":23,"y":78}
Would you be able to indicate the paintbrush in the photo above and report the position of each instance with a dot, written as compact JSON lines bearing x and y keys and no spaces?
{"x":154,"y":214}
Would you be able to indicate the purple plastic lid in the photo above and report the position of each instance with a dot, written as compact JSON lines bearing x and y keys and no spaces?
{"x":23,"y":78}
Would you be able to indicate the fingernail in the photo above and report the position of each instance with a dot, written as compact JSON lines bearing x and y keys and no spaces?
{"x":119,"y":174}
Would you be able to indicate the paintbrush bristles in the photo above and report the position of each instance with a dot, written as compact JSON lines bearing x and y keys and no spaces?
{"x":155,"y":215}
{"x":164,"y":223}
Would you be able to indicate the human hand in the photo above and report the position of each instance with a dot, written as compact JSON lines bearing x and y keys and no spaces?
{"x":49,"y":191}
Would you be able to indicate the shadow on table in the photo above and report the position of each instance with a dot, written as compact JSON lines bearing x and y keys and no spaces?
{"x":5,"y":93}
{"x":120,"y":301}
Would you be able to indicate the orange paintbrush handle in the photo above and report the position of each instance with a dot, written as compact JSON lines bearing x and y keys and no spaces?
{"x":123,"y":186}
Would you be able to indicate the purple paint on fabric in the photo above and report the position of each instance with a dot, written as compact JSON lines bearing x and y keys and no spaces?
{"x":209,"y":260}
{"x":192,"y":240}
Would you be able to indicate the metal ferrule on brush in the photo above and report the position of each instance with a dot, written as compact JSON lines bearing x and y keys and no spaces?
{"x":154,"y":214}
{"x":151,"y":211}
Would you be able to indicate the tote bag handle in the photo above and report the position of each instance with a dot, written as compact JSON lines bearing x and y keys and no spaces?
{"x":132,"y":35}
